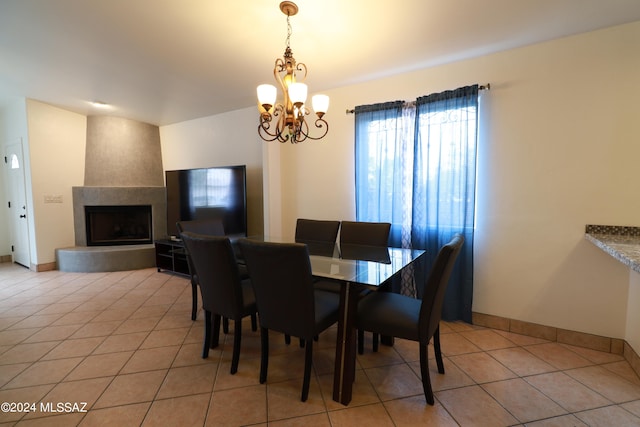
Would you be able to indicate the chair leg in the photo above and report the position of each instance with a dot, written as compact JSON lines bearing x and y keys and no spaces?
{"x":237,"y":339}
{"x":264,"y":354}
{"x":254,"y":322}
{"x":207,"y":334}
{"x":302,"y":343}
{"x":360,"y":341}
{"x":424,"y":372}
{"x":215,"y":333}
{"x":308,"y":362}
{"x":376,"y":340}
{"x":225,"y":325}
{"x":194,"y":300}
{"x":436,"y":348}
{"x":287,"y":339}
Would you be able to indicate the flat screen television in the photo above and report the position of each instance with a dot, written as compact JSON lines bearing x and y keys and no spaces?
{"x":208,"y":193}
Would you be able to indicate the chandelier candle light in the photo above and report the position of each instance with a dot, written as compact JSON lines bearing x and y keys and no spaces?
{"x":289,"y":123}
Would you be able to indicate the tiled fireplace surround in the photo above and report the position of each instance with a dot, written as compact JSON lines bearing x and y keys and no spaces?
{"x":123,"y":166}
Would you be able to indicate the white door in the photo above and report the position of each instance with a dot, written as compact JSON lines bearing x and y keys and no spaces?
{"x":17,"y":204}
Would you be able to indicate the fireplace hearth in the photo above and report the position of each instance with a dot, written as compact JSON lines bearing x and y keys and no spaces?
{"x":118,"y":225}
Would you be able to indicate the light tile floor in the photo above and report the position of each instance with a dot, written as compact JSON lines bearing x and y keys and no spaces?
{"x":124,"y":344}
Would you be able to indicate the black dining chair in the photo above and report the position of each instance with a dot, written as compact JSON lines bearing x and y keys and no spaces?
{"x":224,"y":294}
{"x":209,"y":227}
{"x":319,"y":235}
{"x":396,"y":315}
{"x":314,"y":230}
{"x":365,"y":233}
{"x":357,"y":235}
{"x":287,"y":302}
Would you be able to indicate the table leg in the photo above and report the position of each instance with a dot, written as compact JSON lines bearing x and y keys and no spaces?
{"x":345,"y":363}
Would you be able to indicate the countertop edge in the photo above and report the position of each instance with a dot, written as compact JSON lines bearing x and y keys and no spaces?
{"x":623,"y":247}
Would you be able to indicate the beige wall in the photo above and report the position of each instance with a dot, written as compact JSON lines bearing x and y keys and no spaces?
{"x":57,"y":150}
{"x":222,"y":140}
{"x":558,"y":150}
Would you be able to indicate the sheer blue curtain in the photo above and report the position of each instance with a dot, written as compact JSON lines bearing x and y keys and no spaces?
{"x":416,"y":168}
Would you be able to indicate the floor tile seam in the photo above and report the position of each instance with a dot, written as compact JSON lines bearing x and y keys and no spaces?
{"x":548,"y":362}
{"x":612,"y":405}
{"x":25,"y":338}
{"x":268,"y":421}
{"x":93,"y":353}
{"x":42,"y":358}
{"x":524,"y":422}
{"x":452,"y":414}
{"x":2,"y":386}
{"x":54,"y":383}
{"x":560,"y":403}
{"x":179,"y":396}
{"x":636,"y":416}
{"x":117,"y":374}
{"x":515,"y":374}
{"x":608,"y":371}
{"x":366,"y":374}
{"x":567,"y":372}
{"x":8,"y":326}
{"x":89,"y":407}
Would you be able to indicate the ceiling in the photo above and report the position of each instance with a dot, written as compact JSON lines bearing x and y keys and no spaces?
{"x":167,"y":61}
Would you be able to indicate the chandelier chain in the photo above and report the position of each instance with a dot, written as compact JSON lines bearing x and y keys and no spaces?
{"x":288,"y":32}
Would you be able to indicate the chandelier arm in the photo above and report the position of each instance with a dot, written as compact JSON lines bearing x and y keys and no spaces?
{"x":300,"y":66}
{"x":266,"y":120}
{"x":319,"y":123}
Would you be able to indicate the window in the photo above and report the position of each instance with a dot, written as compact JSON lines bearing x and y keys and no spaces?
{"x":416,"y":168}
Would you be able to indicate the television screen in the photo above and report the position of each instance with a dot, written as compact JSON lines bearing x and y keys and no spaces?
{"x":218,"y":192}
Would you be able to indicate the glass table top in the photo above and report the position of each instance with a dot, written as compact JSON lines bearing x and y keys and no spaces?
{"x":366,"y":265}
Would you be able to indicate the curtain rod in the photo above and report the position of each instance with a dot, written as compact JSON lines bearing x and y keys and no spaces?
{"x":480,"y":87}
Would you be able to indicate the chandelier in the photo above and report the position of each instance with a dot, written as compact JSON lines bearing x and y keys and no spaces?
{"x":286,"y":121}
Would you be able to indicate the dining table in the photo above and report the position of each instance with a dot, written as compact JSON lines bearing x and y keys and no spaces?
{"x":355,"y":267}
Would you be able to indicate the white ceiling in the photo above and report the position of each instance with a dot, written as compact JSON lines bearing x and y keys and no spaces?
{"x":167,"y":61}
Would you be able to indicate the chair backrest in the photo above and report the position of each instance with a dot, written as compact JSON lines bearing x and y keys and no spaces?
{"x":209,"y":227}
{"x":283,"y":286}
{"x":218,"y":275}
{"x":313,"y":230}
{"x":365,"y":233}
{"x":436,"y":287}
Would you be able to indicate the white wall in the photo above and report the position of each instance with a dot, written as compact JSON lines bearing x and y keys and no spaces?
{"x":632,"y":334}
{"x":221,"y":140}
{"x":559,"y":150}
{"x":57,"y":153}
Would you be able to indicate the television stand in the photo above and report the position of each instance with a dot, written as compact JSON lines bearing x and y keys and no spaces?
{"x":171,"y":256}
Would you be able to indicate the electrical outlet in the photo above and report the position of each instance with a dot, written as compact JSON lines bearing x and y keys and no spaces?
{"x":57,"y":198}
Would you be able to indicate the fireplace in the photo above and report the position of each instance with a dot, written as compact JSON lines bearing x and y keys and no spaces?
{"x":118,"y":225}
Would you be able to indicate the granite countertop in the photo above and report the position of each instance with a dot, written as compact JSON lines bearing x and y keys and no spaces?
{"x":622,"y":243}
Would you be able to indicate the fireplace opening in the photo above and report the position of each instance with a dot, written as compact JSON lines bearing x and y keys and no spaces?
{"x":118,"y":225}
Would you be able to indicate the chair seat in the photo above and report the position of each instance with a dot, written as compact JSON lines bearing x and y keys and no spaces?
{"x":390,"y":314}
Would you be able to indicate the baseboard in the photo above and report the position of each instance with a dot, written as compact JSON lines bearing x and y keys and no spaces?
{"x":50,"y":266}
{"x":564,"y":336}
